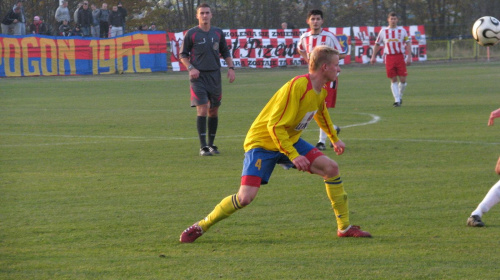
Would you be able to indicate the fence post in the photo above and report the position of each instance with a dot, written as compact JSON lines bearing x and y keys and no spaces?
{"x":450,"y":49}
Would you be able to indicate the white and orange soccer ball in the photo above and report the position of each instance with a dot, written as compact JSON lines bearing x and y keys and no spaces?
{"x":486,"y":31}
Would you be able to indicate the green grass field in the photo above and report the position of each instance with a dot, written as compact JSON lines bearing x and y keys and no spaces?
{"x":99,"y":175}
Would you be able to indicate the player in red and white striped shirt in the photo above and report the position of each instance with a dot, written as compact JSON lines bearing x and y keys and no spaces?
{"x":317,"y":36}
{"x":397,"y":44}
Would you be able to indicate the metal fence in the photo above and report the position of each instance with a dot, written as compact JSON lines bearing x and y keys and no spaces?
{"x":460,"y":49}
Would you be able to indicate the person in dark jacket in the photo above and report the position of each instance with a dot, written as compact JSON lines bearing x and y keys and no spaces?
{"x":77,"y":31}
{"x":20,"y":27}
{"x":12,"y":18}
{"x":122,"y":11}
{"x":85,"y":19}
{"x":116,"y":22}
{"x":38,"y":27}
{"x":103,"y":21}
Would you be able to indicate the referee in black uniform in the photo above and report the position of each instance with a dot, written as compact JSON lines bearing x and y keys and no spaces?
{"x":200,"y":53}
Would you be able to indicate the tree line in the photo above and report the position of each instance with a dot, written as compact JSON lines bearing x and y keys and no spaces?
{"x":441,"y":18}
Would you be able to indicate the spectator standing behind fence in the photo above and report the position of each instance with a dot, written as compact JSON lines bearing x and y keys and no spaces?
{"x":103,"y":21}
{"x":395,"y":40}
{"x":116,"y":22}
{"x":21,"y":25}
{"x":65,"y":29}
{"x":62,"y":13}
{"x":94,"y":29}
{"x":123,"y":12}
{"x":75,"y":14}
{"x":12,"y":17}
{"x":38,"y":27}
{"x":85,"y":19}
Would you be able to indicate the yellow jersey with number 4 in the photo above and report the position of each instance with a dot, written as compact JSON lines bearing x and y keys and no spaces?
{"x":281,"y":122}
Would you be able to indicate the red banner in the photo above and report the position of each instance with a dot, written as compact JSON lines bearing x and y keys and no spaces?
{"x":36,"y":55}
{"x":261,"y":48}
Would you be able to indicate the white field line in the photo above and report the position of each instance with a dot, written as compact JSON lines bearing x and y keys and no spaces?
{"x":375,"y":119}
{"x":109,"y":138}
{"x":425,"y":140}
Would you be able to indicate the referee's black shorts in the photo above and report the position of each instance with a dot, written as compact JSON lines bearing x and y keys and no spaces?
{"x":207,"y":88}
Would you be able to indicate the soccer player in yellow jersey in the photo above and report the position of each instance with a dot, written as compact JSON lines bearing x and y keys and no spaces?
{"x":274,"y":138}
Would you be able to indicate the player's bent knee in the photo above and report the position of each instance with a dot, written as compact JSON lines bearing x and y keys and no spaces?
{"x":246,"y":194}
{"x":331,"y":169}
{"x":245,"y":199}
{"x":325,"y":167}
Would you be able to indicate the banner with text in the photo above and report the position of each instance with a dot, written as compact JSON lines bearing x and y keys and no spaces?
{"x":261,"y":48}
{"x":37,"y":55}
{"x":365,"y":36}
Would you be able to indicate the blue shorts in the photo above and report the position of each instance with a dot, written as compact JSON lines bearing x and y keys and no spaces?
{"x":259,"y":163}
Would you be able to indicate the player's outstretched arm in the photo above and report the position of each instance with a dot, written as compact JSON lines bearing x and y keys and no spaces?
{"x":495,"y":114}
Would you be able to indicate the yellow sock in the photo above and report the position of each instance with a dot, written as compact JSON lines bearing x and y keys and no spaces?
{"x":338,"y":197}
{"x":224,"y":209}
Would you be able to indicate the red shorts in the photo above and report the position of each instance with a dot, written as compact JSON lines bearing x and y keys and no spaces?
{"x":331,"y":97}
{"x":395,"y":65}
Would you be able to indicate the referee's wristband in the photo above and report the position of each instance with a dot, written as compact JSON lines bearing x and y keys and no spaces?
{"x":232,"y":68}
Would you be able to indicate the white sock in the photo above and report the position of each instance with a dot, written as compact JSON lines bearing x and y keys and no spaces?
{"x":402,"y":87}
{"x":345,"y":230}
{"x":395,"y":92}
{"x":491,"y":198}
{"x":322,"y":136}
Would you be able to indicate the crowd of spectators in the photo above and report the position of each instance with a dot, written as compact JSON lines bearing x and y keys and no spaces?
{"x":90,"y":21}
{"x":85,"y":21}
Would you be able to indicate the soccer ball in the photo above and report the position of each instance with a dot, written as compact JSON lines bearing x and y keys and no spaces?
{"x":486,"y":31}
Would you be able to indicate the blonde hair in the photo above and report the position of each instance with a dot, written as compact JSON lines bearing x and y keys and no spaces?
{"x":321,"y":55}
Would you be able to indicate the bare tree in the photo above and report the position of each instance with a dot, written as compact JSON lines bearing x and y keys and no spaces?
{"x":442,"y":18}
